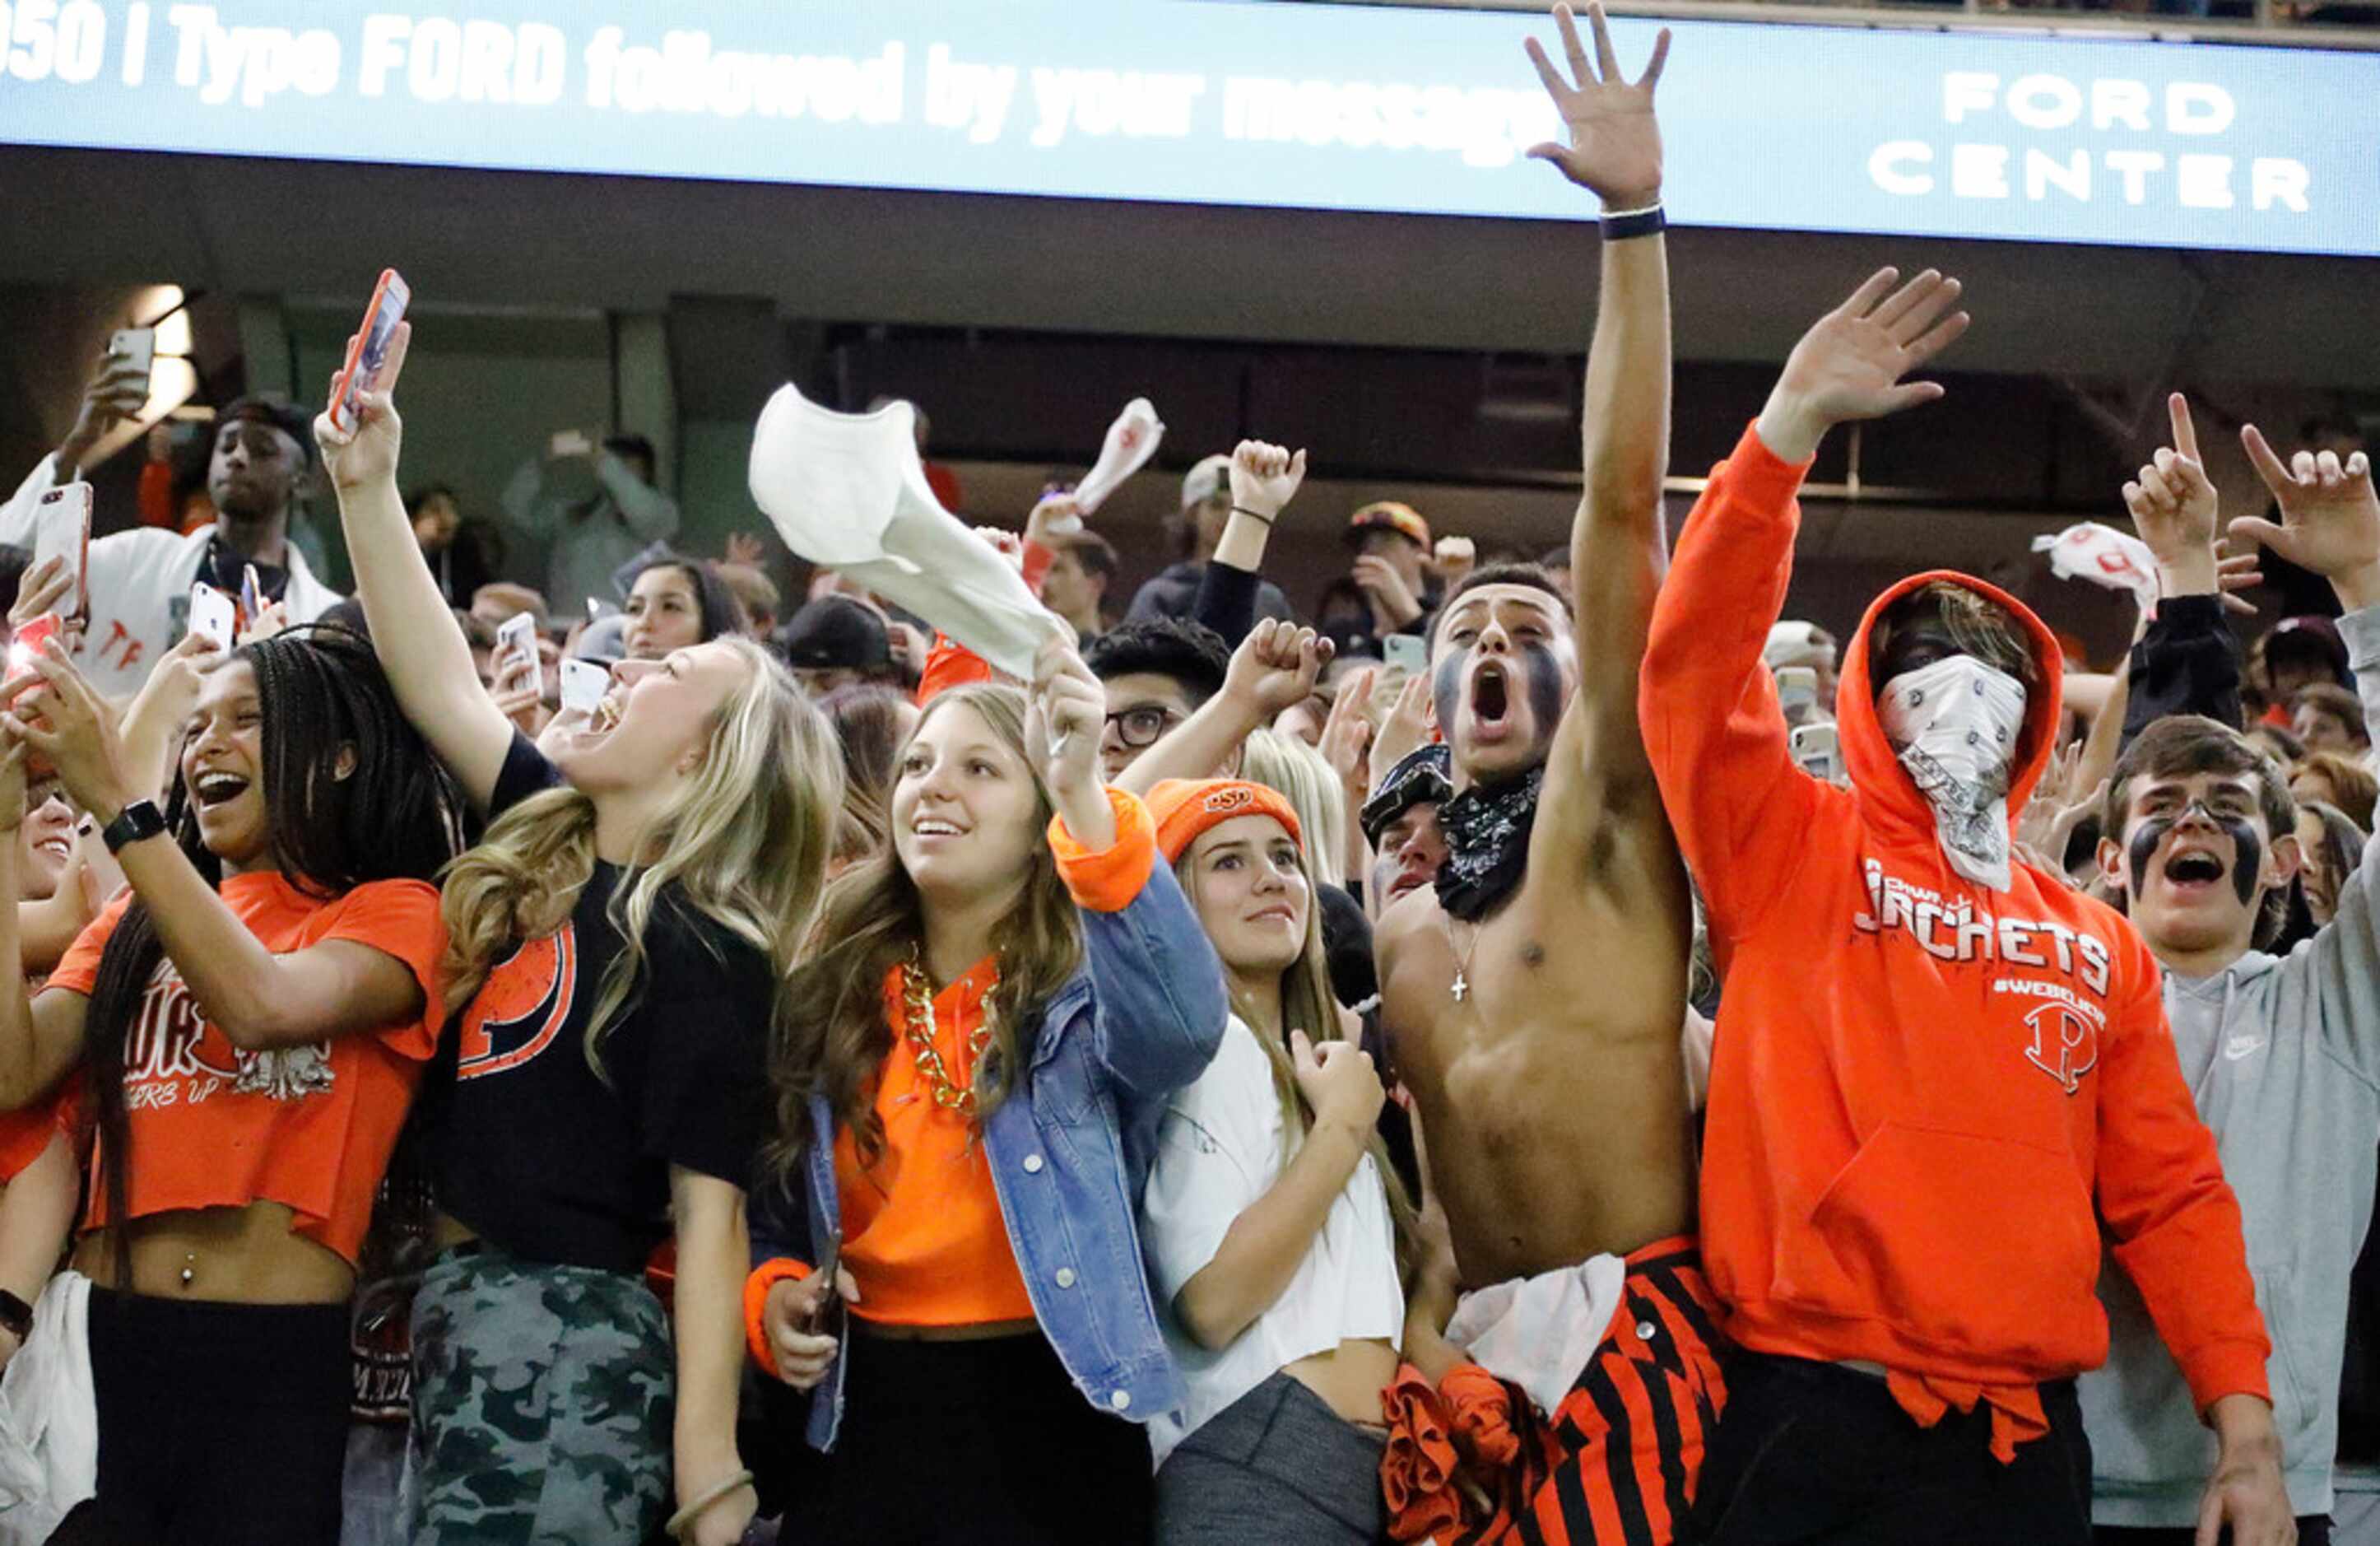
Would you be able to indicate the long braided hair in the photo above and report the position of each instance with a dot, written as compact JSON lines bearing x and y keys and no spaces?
{"x":393,"y":814}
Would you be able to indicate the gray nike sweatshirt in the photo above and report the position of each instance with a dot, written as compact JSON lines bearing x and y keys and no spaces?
{"x":2283,"y":1055}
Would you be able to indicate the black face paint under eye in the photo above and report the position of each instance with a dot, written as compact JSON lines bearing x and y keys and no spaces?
{"x":2247,"y":849}
{"x":1446,"y":686}
{"x":1544,"y":685}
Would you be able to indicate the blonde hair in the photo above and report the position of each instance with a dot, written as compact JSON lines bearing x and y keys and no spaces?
{"x":742,"y":842}
{"x":835,"y":1035}
{"x":1306,"y":778}
{"x":1307,"y":1005}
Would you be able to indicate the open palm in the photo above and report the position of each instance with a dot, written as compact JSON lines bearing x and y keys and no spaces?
{"x":1849,"y":364}
{"x":1615,"y":141}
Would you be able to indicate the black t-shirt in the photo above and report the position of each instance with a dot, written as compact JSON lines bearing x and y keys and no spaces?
{"x":535,"y":1153}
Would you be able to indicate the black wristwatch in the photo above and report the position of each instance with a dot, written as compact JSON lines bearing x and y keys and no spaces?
{"x":16,"y":1317}
{"x":136,"y":821}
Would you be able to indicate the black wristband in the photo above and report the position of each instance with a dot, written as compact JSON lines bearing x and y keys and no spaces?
{"x":1244,"y":510}
{"x":135,"y":822}
{"x":16,"y":1317}
{"x":1649,"y":222}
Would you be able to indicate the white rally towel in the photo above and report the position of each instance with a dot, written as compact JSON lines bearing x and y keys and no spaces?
{"x":1539,"y":1331}
{"x":2100,"y":554}
{"x":1131,"y":441}
{"x":49,"y":1419}
{"x":847,"y":491}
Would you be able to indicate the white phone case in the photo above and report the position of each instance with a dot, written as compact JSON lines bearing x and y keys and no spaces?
{"x":583,"y":686}
{"x":213,"y":613}
{"x":517,"y":635}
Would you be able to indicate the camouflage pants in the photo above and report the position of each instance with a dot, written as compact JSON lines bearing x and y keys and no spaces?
{"x":542,"y":1400}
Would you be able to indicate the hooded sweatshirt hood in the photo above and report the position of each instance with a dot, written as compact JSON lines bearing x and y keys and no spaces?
{"x":1897,"y":806}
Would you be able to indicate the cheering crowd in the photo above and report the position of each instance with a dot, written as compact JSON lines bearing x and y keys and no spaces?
{"x":1553,"y":1052}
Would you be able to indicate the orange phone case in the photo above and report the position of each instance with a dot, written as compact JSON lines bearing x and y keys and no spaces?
{"x":345,"y":390}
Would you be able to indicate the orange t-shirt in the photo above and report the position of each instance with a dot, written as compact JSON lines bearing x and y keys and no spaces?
{"x":309,"y":1127}
{"x":922,"y":1232}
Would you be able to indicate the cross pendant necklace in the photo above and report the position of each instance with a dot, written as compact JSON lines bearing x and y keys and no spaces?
{"x":1461,"y":986}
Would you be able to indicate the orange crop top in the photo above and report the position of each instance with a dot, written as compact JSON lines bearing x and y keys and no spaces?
{"x":311,"y":1127}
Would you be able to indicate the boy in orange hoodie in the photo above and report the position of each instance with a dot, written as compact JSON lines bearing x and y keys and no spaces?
{"x":1931,"y":1059}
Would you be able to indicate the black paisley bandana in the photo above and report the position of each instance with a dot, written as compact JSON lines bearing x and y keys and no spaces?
{"x":1487,"y":832}
{"x":1419,"y":778}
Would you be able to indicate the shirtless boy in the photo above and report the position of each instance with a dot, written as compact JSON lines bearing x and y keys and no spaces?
{"x":1536,"y":994}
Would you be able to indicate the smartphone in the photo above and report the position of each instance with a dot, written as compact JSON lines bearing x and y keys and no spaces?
{"x":570,"y":442}
{"x":62,"y":529}
{"x":1797,"y":692}
{"x":1818,"y":751}
{"x":516,"y":635}
{"x":369,"y":350}
{"x":1408,"y":653}
{"x":584,"y":683}
{"x":136,"y":346}
{"x":25,"y":647}
{"x":216,"y":615}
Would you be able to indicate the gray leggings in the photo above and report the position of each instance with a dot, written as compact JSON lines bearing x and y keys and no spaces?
{"x":1277,"y":1465}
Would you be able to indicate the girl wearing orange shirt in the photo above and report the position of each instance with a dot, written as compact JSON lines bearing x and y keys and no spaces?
{"x":979,"y":1052}
{"x":251,"y":1020}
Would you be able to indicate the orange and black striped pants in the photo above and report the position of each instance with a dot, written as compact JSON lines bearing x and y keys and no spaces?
{"x":1474,"y":1462}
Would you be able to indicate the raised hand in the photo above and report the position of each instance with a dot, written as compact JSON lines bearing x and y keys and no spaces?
{"x":1055,"y":517}
{"x":2173,"y":505}
{"x":2330,"y":518}
{"x":1347,"y":734}
{"x":1849,"y":364}
{"x":2235,"y":572}
{"x":1265,"y":476}
{"x":77,"y":735}
{"x":1615,"y":141}
{"x":1275,"y":667}
{"x":1405,"y":727}
{"x":1068,"y":709}
{"x":1393,"y":602}
{"x":746,"y":547}
{"x":118,"y":390}
{"x":44,"y":584}
{"x":366,"y":452}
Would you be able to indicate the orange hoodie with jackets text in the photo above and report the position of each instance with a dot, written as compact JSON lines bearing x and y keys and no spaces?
{"x":1921,"y":1086}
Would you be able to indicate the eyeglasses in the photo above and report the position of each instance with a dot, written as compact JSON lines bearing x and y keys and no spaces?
{"x":1141,"y":726}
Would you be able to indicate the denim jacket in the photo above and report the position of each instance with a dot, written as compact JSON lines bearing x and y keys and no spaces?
{"x":1069,"y":1152}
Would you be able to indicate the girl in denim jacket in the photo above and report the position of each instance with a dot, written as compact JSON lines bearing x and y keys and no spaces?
{"x":981,"y":1048}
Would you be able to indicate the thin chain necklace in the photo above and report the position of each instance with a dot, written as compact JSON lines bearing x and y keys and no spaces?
{"x":1462,"y":984}
{"x":917,"y":999}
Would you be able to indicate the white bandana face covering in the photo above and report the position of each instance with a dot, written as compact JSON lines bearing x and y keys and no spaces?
{"x":1954,"y":726}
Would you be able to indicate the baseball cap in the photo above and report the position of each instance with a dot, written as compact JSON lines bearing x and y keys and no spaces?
{"x":835,"y":631}
{"x":1423,"y":776}
{"x":1212,"y":479}
{"x":288,"y":418}
{"x":2309,"y":638}
{"x":1388,"y":515}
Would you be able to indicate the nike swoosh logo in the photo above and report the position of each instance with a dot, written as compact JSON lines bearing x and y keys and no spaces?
{"x":2242,"y":1046}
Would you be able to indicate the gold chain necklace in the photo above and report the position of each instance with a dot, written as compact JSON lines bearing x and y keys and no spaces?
{"x":919,"y":1000}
